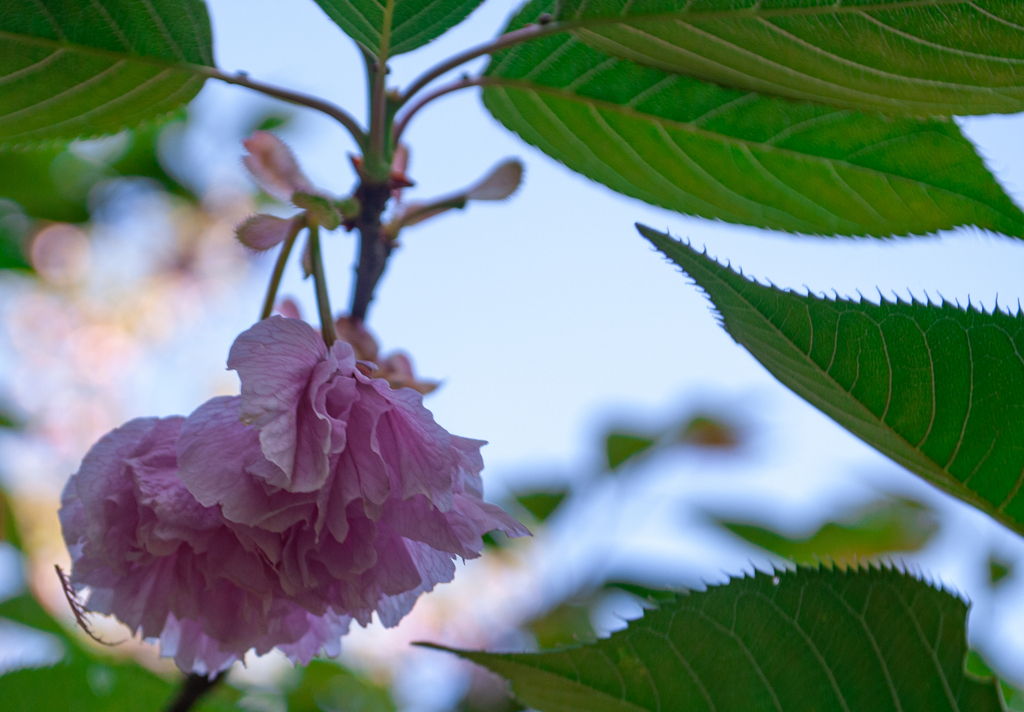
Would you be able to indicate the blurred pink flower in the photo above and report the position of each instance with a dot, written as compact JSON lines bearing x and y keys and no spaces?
{"x":274,"y":518}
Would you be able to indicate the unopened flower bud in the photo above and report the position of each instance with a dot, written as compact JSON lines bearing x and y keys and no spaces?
{"x":499,"y":184}
{"x":355,"y":334}
{"x":288,"y":308}
{"x":261,"y":232}
{"x":273,"y":166}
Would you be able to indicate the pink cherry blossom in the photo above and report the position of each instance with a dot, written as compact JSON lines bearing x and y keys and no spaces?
{"x":274,"y":518}
{"x":172,"y":569}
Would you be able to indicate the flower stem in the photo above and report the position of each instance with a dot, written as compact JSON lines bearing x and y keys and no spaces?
{"x":193,"y":687}
{"x":275,"y":278}
{"x":322,"y":301}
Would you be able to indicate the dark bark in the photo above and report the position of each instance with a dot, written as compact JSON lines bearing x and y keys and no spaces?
{"x":374,"y":248}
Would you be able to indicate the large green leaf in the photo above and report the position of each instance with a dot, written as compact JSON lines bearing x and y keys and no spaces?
{"x":938,"y":388}
{"x":807,"y":640}
{"x":917,"y":57}
{"x":696,"y":148}
{"x":72,"y":68}
{"x":390,"y":27}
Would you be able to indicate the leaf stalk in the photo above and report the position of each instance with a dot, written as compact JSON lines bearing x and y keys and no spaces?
{"x":298,"y":223}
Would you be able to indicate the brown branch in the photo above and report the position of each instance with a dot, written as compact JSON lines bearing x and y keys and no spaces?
{"x":525,"y":34}
{"x":336,"y":112}
{"x":463,"y":83}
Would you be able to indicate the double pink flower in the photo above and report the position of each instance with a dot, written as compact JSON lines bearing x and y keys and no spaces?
{"x":275,"y":518}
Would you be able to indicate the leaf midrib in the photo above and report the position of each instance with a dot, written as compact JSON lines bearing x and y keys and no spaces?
{"x":107,"y":53}
{"x":740,"y":143}
{"x":948,"y":483}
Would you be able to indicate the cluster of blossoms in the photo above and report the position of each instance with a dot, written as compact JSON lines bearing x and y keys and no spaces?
{"x":275,"y":518}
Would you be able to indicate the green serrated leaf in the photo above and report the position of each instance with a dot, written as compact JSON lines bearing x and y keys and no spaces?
{"x":390,"y":27}
{"x":938,"y":388}
{"x":914,"y":57}
{"x":807,"y":640}
{"x":899,"y":525}
{"x":71,"y":68}
{"x":736,"y":156}
{"x":619,"y":447}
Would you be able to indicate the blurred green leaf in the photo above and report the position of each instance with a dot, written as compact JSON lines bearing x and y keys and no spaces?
{"x":701,"y":149}
{"x":622,"y":446}
{"x":93,"y":684}
{"x":921,"y":58}
{"x":705,"y":431}
{"x":488,"y":693}
{"x":85,"y":681}
{"x":873,"y":639}
{"x":329,"y":687}
{"x":391,"y":27}
{"x":564,"y":624}
{"x":73,"y":68}
{"x":997,"y":571}
{"x":1013,"y":696}
{"x":142,"y":155}
{"x":26,"y":178}
{"x":899,"y":525}
{"x":541,"y":504}
{"x":53,"y":182}
{"x":8,"y":525}
{"x":14,"y":229}
{"x":651,"y":595}
{"x":940,"y":389}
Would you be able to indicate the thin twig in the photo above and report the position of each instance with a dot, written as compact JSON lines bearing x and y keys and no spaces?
{"x":463,"y":83}
{"x":322,"y":301}
{"x":298,"y":223}
{"x":332,"y":110}
{"x":525,"y":34}
{"x":192,"y":688}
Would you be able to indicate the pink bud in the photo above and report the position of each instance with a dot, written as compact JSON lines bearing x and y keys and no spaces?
{"x":499,"y":184}
{"x":361,"y":340}
{"x":273,"y":166}
{"x":288,"y":308}
{"x":261,"y":232}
